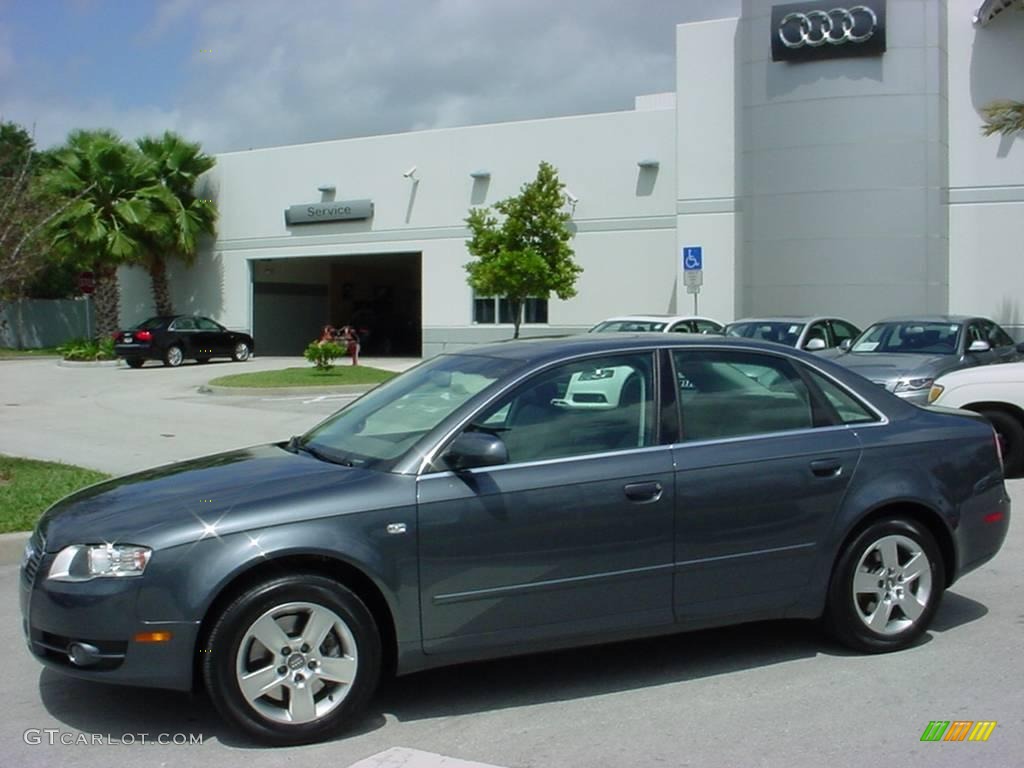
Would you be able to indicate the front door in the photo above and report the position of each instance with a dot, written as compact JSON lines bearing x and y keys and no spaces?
{"x":573,"y":535}
{"x":763,"y":465}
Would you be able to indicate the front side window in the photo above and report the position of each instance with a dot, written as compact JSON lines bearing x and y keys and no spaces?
{"x":706,"y":326}
{"x":488,"y":310}
{"x":996,"y":336}
{"x":590,"y":406}
{"x":382,"y":425}
{"x":736,"y":394}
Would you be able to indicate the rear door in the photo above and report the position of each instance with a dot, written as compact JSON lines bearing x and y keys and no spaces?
{"x":763,"y":464}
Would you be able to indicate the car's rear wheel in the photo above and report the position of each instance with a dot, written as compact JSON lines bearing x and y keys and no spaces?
{"x":293,"y":660}
{"x":174,"y":356}
{"x":135,"y":362}
{"x":1011,"y":439}
{"x":241,"y":352}
{"x":886,"y":586}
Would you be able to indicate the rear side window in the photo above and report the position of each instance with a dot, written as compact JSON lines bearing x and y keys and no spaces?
{"x":205,"y":324}
{"x":735,"y":394}
{"x":849,"y":409}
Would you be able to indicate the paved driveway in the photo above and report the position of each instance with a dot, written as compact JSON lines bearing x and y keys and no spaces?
{"x":120,"y":420}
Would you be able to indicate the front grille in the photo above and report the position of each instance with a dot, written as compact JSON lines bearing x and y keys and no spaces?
{"x":36,"y":549}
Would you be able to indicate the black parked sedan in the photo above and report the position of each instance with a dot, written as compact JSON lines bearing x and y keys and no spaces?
{"x":511,"y":499}
{"x":176,"y":338}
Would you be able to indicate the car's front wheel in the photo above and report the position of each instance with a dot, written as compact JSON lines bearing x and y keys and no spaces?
{"x":174,"y":356}
{"x":293,"y":660}
{"x":241,"y":352}
{"x":886,"y":586}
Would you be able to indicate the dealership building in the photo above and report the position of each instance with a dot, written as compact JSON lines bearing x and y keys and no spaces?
{"x":824,"y":158}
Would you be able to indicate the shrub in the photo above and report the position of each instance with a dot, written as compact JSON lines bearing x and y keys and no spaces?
{"x":87,"y":349}
{"x":323,"y":354}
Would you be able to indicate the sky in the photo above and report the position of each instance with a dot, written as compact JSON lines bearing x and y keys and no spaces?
{"x":239,"y":74}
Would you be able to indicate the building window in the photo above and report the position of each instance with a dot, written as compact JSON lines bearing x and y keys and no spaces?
{"x":492,"y":310}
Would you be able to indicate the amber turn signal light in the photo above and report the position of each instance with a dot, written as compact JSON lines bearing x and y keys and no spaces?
{"x":152,"y":637}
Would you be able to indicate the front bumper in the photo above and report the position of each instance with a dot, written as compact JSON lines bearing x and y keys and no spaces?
{"x":103,"y":615}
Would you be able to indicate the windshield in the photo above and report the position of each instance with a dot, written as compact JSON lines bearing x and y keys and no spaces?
{"x":387,"y":422}
{"x":628,"y":326}
{"x":909,"y":337}
{"x":779,"y":332}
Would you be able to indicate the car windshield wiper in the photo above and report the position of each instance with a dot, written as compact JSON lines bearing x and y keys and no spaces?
{"x":322,"y":456}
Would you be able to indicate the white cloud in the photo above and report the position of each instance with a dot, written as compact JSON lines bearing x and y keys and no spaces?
{"x":321,"y":69}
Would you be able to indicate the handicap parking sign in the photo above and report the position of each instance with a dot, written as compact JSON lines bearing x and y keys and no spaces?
{"x":693,"y":257}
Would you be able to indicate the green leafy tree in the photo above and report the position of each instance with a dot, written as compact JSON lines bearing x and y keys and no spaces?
{"x":178,"y":165}
{"x":1005,"y":117}
{"x":522,"y":247}
{"x":115,"y":193}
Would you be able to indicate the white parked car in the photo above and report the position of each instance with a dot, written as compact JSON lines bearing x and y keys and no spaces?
{"x":997,"y":393}
{"x":658,"y":324}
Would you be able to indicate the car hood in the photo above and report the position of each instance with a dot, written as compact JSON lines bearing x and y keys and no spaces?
{"x":889,"y":368}
{"x":211,"y":495}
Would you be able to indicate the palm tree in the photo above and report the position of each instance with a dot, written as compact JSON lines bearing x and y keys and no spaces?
{"x":1005,"y":117}
{"x":178,"y":164}
{"x":115,"y":192}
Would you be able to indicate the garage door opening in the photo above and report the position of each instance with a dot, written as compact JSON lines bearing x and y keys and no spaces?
{"x":379,"y":294}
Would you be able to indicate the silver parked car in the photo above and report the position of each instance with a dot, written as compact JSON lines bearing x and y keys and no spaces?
{"x":906,"y":355}
{"x":811,"y":333}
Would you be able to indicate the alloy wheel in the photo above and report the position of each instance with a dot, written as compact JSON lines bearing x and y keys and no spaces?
{"x":892,"y":584}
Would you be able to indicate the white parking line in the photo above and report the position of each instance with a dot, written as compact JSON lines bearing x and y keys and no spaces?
{"x":403,"y":757}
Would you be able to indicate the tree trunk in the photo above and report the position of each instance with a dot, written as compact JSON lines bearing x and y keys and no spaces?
{"x":161,"y":289}
{"x":108,"y":302}
{"x":517,"y":315}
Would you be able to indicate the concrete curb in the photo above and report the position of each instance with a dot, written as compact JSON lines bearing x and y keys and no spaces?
{"x":88,"y":363}
{"x":12,"y":547}
{"x":340,"y":389}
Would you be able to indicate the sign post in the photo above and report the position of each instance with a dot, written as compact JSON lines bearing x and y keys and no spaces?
{"x":693,"y":271}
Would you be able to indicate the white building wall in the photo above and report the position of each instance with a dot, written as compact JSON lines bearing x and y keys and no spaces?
{"x":986,"y":174}
{"x":624,"y":218}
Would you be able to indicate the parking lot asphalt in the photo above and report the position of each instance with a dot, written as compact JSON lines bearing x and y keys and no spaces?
{"x":120,"y":420}
{"x":768,"y":694}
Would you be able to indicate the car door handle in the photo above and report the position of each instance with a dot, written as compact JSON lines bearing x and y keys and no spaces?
{"x":643,"y":492}
{"x":826,"y":467}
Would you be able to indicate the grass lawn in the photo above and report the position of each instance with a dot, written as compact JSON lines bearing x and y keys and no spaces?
{"x":28,"y":487}
{"x":6,"y":352}
{"x":306,"y":377}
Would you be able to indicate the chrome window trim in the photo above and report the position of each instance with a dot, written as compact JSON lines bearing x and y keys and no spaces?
{"x":428,"y":457}
{"x":547,"y":462}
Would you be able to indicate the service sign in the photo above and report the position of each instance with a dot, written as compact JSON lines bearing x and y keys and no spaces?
{"x":340,"y":210}
{"x":812,"y":31}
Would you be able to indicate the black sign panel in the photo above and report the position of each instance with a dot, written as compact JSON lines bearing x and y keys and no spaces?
{"x":812,"y":31}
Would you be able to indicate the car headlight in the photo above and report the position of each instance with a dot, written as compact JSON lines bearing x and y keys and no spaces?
{"x":81,"y":562}
{"x":934,"y":392}
{"x":913,"y":385}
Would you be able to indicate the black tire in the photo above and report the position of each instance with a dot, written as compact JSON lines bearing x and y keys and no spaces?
{"x":844,"y":610}
{"x":135,"y":362}
{"x":172,"y":359}
{"x":241,"y":352}
{"x":202,"y":360}
{"x":220,"y":658}
{"x":1011,"y":436}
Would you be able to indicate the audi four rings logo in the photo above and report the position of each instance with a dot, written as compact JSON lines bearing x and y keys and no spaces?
{"x":835,"y":27}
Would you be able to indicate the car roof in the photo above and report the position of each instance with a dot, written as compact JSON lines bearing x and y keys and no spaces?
{"x":656,"y":317}
{"x":929,"y":319}
{"x":786,"y":319}
{"x":540,"y":350}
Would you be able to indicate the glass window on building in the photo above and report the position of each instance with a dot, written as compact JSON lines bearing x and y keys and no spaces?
{"x":492,"y":310}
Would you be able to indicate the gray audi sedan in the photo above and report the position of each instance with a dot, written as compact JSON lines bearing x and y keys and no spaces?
{"x":905,"y":355}
{"x":511,"y":499}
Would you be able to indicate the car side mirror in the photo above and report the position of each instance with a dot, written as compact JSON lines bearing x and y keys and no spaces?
{"x":815,"y":345}
{"x":979,"y":345}
{"x":846,"y":344}
{"x":476,"y":449}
